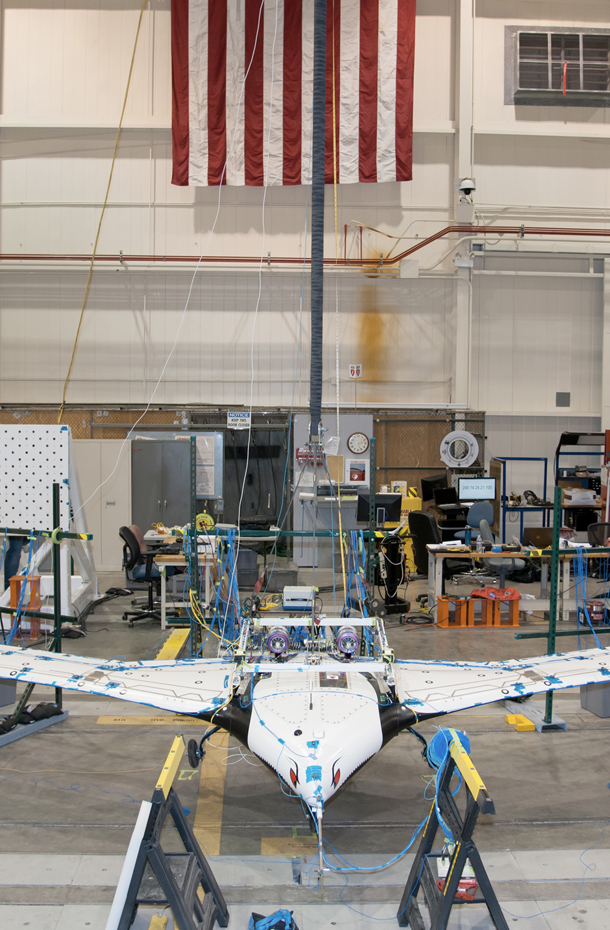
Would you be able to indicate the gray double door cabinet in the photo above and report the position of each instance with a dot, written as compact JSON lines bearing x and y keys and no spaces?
{"x":160,"y":483}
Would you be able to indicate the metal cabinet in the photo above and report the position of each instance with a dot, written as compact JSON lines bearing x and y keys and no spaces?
{"x":160,"y":482}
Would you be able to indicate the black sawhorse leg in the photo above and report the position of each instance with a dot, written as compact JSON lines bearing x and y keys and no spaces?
{"x":422,"y":877}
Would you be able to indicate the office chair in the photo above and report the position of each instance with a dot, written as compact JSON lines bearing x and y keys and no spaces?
{"x":138,"y":565}
{"x":424,"y":531}
{"x":500,"y":567}
{"x":482,"y":510}
{"x":598,"y":533}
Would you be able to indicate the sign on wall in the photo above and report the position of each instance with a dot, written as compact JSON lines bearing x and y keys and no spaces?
{"x":239,"y":419}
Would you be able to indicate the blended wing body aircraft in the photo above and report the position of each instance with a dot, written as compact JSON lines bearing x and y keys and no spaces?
{"x":304,"y":700}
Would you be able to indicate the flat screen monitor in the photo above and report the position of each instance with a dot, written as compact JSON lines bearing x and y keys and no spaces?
{"x":387,"y":508}
{"x":445,"y":496}
{"x":429,"y":485}
{"x":477,"y":489}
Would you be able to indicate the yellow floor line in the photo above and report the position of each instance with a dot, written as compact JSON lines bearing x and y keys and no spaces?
{"x":137,"y":720}
{"x":210,"y":800}
{"x":287,"y":846}
{"x":158,"y":923}
{"x":172,"y":646}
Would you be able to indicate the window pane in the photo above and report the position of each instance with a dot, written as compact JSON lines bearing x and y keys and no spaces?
{"x":533,"y":46}
{"x":572,"y":76}
{"x":565,"y":48}
{"x":533,"y":75}
{"x":596,"y":77}
{"x":596,"y":48}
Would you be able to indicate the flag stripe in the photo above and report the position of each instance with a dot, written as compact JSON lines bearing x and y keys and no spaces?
{"x":217,"y":91}
{"x":254,"y":93}
{"x":369,"y":17}
{"x":307,"y":90}
{"x":242,"y":88}
{"x":292,"y":92}
{"x":405,"y":55}
{"x":198,"y":146}
{"x":273,"y":139}
{"x":350,"y":99}
{"x":236,"y":55}
{"x":333,"y":32}
{"x":386,"y":91}
{"x":180,"y":92}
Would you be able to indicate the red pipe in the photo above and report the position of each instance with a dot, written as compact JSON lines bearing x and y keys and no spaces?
{"x":475,"y":231}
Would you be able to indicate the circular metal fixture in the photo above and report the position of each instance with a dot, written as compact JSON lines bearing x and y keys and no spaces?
{"x":459,"y":449}
{"x":278,"y":640}
{"x":358,"y":443}
{"x":348,"y":641}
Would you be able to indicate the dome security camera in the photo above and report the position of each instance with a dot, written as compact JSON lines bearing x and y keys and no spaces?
{"x":466,"y":187}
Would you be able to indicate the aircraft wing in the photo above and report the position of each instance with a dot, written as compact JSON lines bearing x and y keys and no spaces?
{"x":185,"y":686}
{"x":432,"y":688}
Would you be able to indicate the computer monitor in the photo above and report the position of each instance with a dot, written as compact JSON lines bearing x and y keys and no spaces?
{"x":445,"y":496}
{"x":428,"y":485}
{"x":477,"y":489}
{"x":387,"y":508}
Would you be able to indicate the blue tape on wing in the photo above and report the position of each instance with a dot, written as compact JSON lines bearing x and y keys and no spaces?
{"x":314,"y":773}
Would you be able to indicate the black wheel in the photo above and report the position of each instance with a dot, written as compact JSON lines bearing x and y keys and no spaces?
{"x":125,"y":617}
{"x":193,"y":753}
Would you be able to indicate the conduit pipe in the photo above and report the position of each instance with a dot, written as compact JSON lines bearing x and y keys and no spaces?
{"x":465,"y":230}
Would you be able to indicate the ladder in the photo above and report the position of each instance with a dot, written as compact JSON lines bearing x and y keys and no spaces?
{"x":422,"y":877}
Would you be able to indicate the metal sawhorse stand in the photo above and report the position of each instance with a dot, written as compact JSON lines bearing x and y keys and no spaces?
{"x":151,"y":876}
{"x":439,"y":902}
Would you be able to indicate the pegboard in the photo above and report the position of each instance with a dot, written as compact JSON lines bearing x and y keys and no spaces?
{"x":33,"y":458}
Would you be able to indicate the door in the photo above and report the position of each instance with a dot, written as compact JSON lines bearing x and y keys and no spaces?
{"x":176,"y":482}
{"x":146,"y":483}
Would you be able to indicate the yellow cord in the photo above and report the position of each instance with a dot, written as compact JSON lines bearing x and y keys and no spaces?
{"x":99,"y":227}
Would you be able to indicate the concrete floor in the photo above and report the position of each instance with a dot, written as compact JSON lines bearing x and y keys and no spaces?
{"x":69,"y":797}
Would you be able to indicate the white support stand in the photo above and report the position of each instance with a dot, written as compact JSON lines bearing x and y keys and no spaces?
{"x":34,"y":457}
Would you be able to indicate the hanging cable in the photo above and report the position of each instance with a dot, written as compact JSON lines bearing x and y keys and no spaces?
{"x":337,"y":312}
{"x":190,"y":290}
{"x":99,"y":225}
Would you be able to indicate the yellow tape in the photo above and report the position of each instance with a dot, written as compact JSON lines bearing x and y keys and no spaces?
{"x":172,"y":646}
{"x":136,"y":720}
{"x":172,"y":764}
{"x":464,"y":764}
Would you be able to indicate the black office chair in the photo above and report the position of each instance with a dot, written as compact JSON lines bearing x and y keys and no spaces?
{"x":598,"y":533}
{"x":424,"y":531}
{"x":136,"y":554}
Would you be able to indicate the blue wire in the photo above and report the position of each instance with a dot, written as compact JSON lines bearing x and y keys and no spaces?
{"x":562,"y":907}
{"x":373,"y":868}
{"x":394,"y":916}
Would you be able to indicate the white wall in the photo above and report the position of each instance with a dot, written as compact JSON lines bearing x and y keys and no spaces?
{"x":62,"y":74}
{"x":534,"y":437}
{"x":534,"y":336}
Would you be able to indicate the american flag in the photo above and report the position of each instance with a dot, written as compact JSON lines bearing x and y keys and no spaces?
{"x":242,"y":84}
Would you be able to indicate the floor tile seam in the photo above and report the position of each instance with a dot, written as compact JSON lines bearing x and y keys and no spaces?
{"x":5,"y":887}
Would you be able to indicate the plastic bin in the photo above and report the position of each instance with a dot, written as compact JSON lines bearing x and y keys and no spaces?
{"x":246,"y":558}
{"x":8,"y":692}
{"x":596,"y":699}
{"x":276,"y":581}
{"x":247,"y":577}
